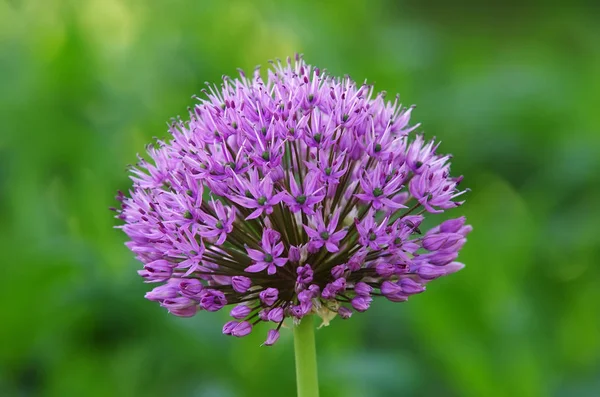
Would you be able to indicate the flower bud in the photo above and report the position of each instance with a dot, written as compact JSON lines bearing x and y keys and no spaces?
{"x":242,"y":329}
{"x":363,"y":289}
{"x":240,"y":284}
{"x":361,"y":303}
{"x":275,"y":315}
{"x":240,"y":311}
{"x":272,"y":337}
{"x":344,"y":312}
{"x":212,"y":300}
{"x":269,"y":296}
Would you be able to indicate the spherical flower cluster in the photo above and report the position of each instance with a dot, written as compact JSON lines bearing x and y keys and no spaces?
{"x":302,"y":194}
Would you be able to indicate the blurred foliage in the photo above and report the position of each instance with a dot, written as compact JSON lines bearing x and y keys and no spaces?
{"x":511,"y":90}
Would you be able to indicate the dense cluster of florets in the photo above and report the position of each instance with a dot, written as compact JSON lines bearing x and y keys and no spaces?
{"x":296,"y":195}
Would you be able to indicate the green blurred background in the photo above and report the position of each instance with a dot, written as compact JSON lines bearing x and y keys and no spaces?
{"x":511,"y":90}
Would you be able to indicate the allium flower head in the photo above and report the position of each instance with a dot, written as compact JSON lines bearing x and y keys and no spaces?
{"x":296,"y":195}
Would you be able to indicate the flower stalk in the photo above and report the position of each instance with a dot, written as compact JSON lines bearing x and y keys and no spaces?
{"x":306,"y":358}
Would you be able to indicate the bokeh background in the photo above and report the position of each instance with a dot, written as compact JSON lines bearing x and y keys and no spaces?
{"x":511,"y":90}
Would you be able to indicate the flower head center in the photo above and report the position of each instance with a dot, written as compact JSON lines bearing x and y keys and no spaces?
{"x":324,"y":235}
{"x":261,"y":200}
{"x":301,"y":199}
{"x":377,"y":192}
{"x":268,"y":258}
{"x":219,"y":225}
{"x":372,"y":236}
{"x":328,"y":171}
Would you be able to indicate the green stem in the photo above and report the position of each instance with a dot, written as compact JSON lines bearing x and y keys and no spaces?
{"x":306,"y":358}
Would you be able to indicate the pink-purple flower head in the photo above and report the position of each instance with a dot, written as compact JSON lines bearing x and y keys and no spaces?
{"x":302,"y":194}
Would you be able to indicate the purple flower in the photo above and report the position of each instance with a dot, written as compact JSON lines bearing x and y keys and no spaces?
{"x":270,"y":257}
{"x":327,"y":172}
{"x":325,"y":235}
{"x":372,"y":234}
{"x":418,"y":155}
{"x":219,"y":225}
{"x":304,"y":200}
{"x":433,"y":187}
{"x":256,"y":194}
{"x":299,"y":194}
{"x":380,"y":185}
